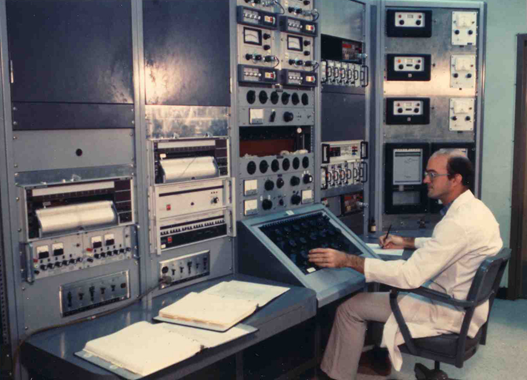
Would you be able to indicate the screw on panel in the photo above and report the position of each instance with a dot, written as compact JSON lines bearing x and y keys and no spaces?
{"x":15,"y":123}
{"x":20,"y":230}
{"x":14,"y":108}
{"x":17,"y":199}
{"x":14,"y":137}
{"x":26,"y":328}
{"x":16,"y":165}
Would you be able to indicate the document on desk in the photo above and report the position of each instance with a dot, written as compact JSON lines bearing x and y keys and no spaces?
{"x":260,"y":293}
{"x":381,"y":251}
{"x":143,"y":348}
{"x":221,"y":306}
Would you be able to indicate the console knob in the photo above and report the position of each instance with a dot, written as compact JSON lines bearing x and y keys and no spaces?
{"x":267,"y":204}
{"x":296,"y":199}
{"x":288,"y":116}
{"x":308,"y":178}
{"x":280,"y":182}
{"x":295,"y":181}
{"x":269,"y":185}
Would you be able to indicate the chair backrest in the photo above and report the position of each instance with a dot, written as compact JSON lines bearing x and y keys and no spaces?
{"x":484,"y":287}
{"x":488,"y":277}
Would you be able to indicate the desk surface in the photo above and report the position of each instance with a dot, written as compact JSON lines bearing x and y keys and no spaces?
{"x":51,"y":353}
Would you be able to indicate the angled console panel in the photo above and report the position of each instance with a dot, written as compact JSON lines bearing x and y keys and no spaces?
{"x":276,"y":246}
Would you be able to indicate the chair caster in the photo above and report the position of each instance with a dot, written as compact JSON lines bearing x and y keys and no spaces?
{"x":423,"y":373}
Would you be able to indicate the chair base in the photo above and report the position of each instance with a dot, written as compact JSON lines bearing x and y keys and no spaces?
{"x":423,"y":373}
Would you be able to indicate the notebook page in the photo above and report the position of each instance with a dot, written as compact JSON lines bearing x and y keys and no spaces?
{"x":143,"y":348}
{"x":260,"y":293}
{"x":210,"y":309}
{"x":381,"y":251}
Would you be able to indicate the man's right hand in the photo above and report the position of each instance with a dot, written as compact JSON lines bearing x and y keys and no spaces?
{"x":396,"y":242}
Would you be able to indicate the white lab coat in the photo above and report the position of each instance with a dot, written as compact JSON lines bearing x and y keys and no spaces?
{"x":466,"y":235}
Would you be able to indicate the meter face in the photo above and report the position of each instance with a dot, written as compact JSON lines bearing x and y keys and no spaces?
{"x":252,"y":36}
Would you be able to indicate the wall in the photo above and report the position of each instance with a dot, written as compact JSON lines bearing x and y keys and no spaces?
{"x":505,"y":19}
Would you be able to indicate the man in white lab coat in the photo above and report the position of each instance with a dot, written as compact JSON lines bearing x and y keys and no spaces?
{"x":446,"y":262}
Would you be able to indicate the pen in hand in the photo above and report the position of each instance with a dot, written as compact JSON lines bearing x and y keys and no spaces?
{"x":386,"y":237}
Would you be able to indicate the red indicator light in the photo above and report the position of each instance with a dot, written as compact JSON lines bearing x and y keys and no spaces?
{"x":169,"y":207}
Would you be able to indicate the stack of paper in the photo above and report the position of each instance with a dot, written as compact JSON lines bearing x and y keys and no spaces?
{"x":220,"y":307}
{"x":143,"y":348}
{"x":382,"y":251}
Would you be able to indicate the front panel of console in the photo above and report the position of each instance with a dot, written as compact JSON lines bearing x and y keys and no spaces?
{"x":273,"y":183}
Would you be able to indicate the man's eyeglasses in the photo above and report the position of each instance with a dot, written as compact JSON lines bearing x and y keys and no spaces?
{"x":433,"y":175}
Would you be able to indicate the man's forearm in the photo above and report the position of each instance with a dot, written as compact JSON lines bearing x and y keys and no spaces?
{"x":355,"y":262}
{"x":409,"y":242}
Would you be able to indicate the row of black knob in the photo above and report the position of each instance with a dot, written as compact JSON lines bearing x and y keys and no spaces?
{"x":294,"y":181}
{"x":263,"y":97}
{"x":275,"y":165}
{"x":456,"y":75}
{"x":267,"y":204}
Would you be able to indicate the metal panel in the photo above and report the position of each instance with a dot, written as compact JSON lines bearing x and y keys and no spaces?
{"x":342,"y":18}
{"x":74,"y":174}
{"x":343,"y":117}
{"x":45,"y":150}
{"x":438,"y":90}
{"x":37,"y":116}
{"x":46,"y":292}
{"x":186,"y":121}
{"x":81,"y":51}
{"x":437,"y":130}
{"x":221,"y":261}
{"x":187,"y":52}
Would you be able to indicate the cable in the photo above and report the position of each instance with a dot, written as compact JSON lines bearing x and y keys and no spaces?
{"x":316,"y":13}
{"x":165,"y":280}
{"x":315,"y":68}
{"x":280,"y":5}
{"x":278,"y":62}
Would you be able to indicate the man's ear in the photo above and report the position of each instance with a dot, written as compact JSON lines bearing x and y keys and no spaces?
{"x":458,"y":178}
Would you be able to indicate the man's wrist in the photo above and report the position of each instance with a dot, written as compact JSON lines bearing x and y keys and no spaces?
{"x":409,"y":242}
{"x":355,"y":262}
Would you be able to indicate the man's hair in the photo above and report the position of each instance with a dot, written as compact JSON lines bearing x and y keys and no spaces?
{"x":458,"y":163}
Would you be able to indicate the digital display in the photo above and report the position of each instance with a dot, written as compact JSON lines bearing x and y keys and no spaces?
{"x":294,"y":43}
{"x":252,"y":36}
{"x":407,"y":166}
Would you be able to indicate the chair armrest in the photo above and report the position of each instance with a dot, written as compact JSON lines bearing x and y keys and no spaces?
{"x":441,"y":297}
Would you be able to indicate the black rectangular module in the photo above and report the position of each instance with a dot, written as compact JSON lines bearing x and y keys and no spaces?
{"x":407,"y":111}
{"x":251,"y":16}
{"x":409,"y":23}
{"x":295,"y":25}
{"x":408,"y":67}
{"x":299,"y":78}
{"x":256,"y":74}
{"x":404,"y":190}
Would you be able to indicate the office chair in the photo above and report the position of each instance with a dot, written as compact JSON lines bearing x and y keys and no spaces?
{"x":453,"y":348}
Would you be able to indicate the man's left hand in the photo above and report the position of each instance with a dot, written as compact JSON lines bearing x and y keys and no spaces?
{"x":328,"y":258}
